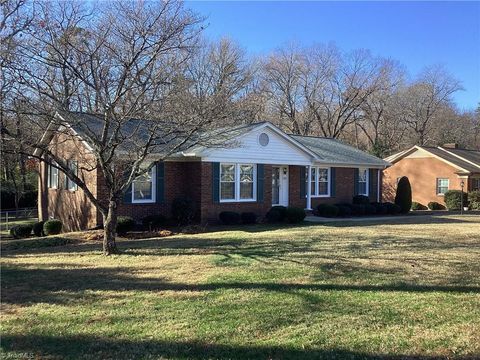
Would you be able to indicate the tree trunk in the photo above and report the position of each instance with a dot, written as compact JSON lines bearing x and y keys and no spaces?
{"x":110,"y":229}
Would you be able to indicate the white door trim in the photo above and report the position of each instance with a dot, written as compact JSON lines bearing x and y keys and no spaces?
{"x":283,"y":185}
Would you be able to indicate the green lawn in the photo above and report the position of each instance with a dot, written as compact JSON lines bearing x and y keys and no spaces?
{"x":364,"y":290}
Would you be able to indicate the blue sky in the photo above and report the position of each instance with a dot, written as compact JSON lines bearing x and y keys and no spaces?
{"x":417,"y":34}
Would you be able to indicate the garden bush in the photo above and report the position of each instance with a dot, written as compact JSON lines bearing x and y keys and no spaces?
{"x":403,"y":197}
{"x":358,"y":209}
{"x":474,"y":200}
{"x":453,"y":199}
{"x":154,"y":222}
{"x":418,"y":206}
{"x":52,"y":227}
{"x":380,"y":209}
{"x":124,"y":224}
{"x":392,"y":209}
{"x":229,"y":217}
{"x":344,"y":210}
{"x":370,"y":209}
{"x":38,"y":228}
{"x":21,"y":231}
{"x":276,"y":214}
{"x":433,"y":205}
{"x":183,"y":210}
{"x":295,"y":215}
{"x":248,"y":217}
{"x":327,"y":210}
{"x":360,"y":200}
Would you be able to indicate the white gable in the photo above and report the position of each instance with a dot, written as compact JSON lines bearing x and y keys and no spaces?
{"x":419,"y":153}
{"x":247,"y":148}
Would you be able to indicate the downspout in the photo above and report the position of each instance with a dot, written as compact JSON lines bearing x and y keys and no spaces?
{"x":309,"y":187}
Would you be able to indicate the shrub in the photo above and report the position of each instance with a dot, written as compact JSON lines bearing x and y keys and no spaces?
{"x":474,"y":198}
{"x":418,"y":206}
{"x":403,"y":197}
{"x":360,"y":200}
{"x":453,"y":199}
{"x":295,"y":215}
{"x":154,"y":222}
{"x":229,"y":217}
{"x":380,"y":209}
{"x":124,"y":224}
{"x":327,"y":210}
{"x":433,"y":205}
{"x":344,"y":210}
{"x":52,"y":227}
{"x":38,"y":228}
{"x":370,"y":209}
{"x":248,"y":218}
{"x":392,"y":209}
{"x":276,"y":214}
{"x":358,"y":209}
{"x":21,"y":231}
{"x":183,"y":210}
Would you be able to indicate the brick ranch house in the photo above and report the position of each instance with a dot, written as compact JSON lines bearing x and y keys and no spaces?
{"x":264,"y":166}
{"x":432,"y":171}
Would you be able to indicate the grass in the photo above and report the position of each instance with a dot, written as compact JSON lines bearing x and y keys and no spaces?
{"x":355,"y":291}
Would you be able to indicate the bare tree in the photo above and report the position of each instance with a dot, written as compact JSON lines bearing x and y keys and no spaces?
{"x":121,"y":62}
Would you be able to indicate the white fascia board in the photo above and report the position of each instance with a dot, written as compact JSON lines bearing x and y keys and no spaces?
{"x":255,"y":161}
{"x":346,"y":165}
{"x":459,"y":157}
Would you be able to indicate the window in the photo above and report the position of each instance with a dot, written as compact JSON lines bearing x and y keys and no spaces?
{"x":72,"y":165}
{"x":442,"y":186}
{"x":237,"y":182}
{"x":143,"y":187}
{"x":475,"y":184}
{"x":52,"y":177}
{"x":363,"y":181}
{"x":320,"y":181}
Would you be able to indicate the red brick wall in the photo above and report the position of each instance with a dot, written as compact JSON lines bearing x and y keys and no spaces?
{"x":210,"y":210}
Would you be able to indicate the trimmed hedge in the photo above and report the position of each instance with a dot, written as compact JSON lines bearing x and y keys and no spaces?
{"x":453,"y":199}
{"x":403,"y":197}
{"x":358,"y":209}
{"x":474,"y":198}
{"x":344,"y":210}
{"x":380,"y":208}
{"x":360,"y":200}
{"x":52,"y":227}
{"x":248,"y":217}
{"x":124,"y":224}
{"x":295,"y":215}
{"x":21,"y":231}
{"x":276,"y":214}
{"x":38,"y":228}
{"x":183,"y":210}
{"x":418,"y":206}
{"x":370,"y":209}
{"x":154,"y":222}
{"x":229,"y":217}
{"x":327,"y":210}
{"x":392,"y":209}
{"x":433,"y":205}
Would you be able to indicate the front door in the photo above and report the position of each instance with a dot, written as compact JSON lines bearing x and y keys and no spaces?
{"x":280,"y":185}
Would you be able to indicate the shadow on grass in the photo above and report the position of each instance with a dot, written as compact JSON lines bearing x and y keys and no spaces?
{"x":24,"y":286}
{"x":109,"y":348}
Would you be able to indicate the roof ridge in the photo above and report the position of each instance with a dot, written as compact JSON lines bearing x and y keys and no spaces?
{"x":458,"y":156}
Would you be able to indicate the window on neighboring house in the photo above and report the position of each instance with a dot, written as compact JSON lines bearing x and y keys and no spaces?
{"x":143,"y":187}
{"x":363,"y":181}
{"x":52,"y":177}
{"x":72,"y":165}
{"x":237,"y":182}
{"x":442,"y":186}
{"x":476,"y":184}
{"x":320,"y":181}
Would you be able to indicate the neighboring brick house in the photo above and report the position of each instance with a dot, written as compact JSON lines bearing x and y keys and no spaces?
{"x":432,"y":171}
{"x":262,"y":166}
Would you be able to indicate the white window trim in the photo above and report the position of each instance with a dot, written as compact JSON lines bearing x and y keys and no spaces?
{"x":72,"y":186}
{"x":438,"y":187}
{"x":367,"y":181}
{"x":153,"y":169}
{"x":315,"y":194}
{"x":49,"y":175}
{"x":237,"y":184}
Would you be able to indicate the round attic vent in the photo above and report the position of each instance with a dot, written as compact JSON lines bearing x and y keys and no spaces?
{"x":263,"y":139}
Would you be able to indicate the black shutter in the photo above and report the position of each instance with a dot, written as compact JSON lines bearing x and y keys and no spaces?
{"x":332,"y":182}
{"x":260,"y":182}
{"x":127,"y":197}
{"x":303,"y":188}
{"x":160,"y":182}
{"x":216,"y":182}
{"x":372,"y":182}
{"x":355,"y":181}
